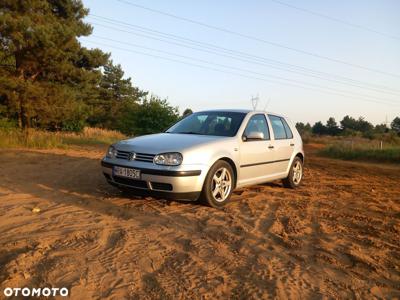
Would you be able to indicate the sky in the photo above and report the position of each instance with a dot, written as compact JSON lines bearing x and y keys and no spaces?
{"x":311,"y":62}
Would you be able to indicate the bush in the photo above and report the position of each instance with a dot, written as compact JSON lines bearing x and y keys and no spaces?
{"x":368,"y":135}
{"x":391,"y":138}
{"x":389,"y":155}
{"x":6,"y":124}
{"x":306,"y":136}
{"x":73,"y":125}
{"x":152,"y":116}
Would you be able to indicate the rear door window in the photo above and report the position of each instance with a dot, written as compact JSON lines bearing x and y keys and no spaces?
{"x":280,"y":128}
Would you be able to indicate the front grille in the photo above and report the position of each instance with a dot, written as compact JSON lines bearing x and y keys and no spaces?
{"x":123,"y":154}
{"x":144,"y":157}
{"x":139,"y":156}
{"x":161,"y":186}
{"x":131,"y":182}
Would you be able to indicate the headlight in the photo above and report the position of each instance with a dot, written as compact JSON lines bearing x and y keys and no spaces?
{"x":111,"y":152}
{"x":168,"y":159}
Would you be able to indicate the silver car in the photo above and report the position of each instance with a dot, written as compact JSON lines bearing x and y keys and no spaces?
{"x":207,"y":155}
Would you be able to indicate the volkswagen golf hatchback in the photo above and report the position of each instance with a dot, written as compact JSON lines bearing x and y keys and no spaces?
{"x":207,"y":155}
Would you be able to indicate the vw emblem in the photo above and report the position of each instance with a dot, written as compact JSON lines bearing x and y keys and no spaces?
{"x":132,"y":156}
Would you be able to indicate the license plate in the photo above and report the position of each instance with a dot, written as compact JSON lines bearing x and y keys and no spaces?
{"x":126,"y":172}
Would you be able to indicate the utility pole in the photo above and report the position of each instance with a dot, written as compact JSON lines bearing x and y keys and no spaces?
{"x":254,"y":101}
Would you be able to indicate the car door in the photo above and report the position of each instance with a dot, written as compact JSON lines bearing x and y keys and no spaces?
{"x":255,"y":153}
{"x":283,"y":143}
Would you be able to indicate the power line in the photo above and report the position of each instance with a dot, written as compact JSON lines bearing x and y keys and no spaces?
{"x":336,"y":19}
{"x":242,"y":56}
{"x":230,"y":51}
{"x":250,"y":37}
{"x":287,"y":83}
{"x":235,"y":68}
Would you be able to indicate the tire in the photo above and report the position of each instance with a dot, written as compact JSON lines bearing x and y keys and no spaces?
{"x":295,"y":175}
{"x":214,"y":193}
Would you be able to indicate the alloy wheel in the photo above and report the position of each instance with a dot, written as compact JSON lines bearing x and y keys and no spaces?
{"x":221,"y":184}
{"x":297,"y":172}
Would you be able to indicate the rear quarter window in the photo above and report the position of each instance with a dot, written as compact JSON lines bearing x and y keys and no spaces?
{"x":280,"y":128}
{"x":289,"y":133}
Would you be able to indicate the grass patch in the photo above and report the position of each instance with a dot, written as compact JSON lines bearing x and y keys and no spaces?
{"x":92,"y":136}
{"x":39,"y":139}
{"x":388,"y":155}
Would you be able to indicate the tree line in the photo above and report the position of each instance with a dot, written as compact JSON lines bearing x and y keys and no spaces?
{"x":48,"y":80}
{"x":349,"y":126}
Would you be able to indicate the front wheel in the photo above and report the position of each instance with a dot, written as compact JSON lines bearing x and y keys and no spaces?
{"x":218,"y":184}
{"x":295,"y":174}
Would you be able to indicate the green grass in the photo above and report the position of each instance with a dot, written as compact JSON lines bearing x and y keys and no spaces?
{"x":39,"y":139}
{"x":387,"y":155}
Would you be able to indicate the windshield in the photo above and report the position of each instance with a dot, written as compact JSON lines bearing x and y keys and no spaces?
{"x":209,"y":123}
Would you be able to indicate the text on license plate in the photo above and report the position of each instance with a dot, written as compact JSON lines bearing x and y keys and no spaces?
{"x":126,"y":172}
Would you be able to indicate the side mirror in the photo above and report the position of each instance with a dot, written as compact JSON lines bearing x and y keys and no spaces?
{"x":254,"y":135}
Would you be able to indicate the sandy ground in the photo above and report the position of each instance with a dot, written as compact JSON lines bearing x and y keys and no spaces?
{"x":337,"y":236}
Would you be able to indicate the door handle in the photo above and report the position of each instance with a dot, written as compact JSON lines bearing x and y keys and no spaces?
{"x":291,"y":144}
{"x":271,"y":147}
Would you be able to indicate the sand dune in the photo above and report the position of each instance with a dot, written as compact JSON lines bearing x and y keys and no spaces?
{"x":338,"y":236}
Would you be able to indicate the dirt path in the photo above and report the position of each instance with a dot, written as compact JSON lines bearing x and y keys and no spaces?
{"x":337,"y":236}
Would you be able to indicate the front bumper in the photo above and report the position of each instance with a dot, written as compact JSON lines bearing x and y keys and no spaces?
{"x":159,"y":182}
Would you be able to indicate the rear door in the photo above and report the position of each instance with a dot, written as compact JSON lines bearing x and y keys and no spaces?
{"x":255,"y":154}
{"x":283,"y":143}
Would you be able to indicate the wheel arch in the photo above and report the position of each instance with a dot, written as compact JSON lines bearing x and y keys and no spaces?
{"x":232,"y":164}
{"x":301,"y":156}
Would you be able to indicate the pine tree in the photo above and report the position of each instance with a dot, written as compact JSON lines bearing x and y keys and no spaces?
{"x":331,"y":126}
{"x":115,"y":94}
{"x":187,"y":112}
{"x":45,"y":72}
{"x":395,"y":125}
{"x":319,"y":128}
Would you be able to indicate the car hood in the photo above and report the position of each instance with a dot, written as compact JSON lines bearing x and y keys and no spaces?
{"x":165,"y":142}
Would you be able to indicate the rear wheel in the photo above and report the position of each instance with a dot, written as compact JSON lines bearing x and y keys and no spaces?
{"x":295,"y":174}
{"x":218,"y":184}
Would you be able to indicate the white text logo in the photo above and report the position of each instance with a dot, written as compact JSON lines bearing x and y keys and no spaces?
{"x":35,"y":292}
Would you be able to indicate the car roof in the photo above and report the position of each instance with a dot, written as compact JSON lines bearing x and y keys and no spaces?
{"x":245,"y":111}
